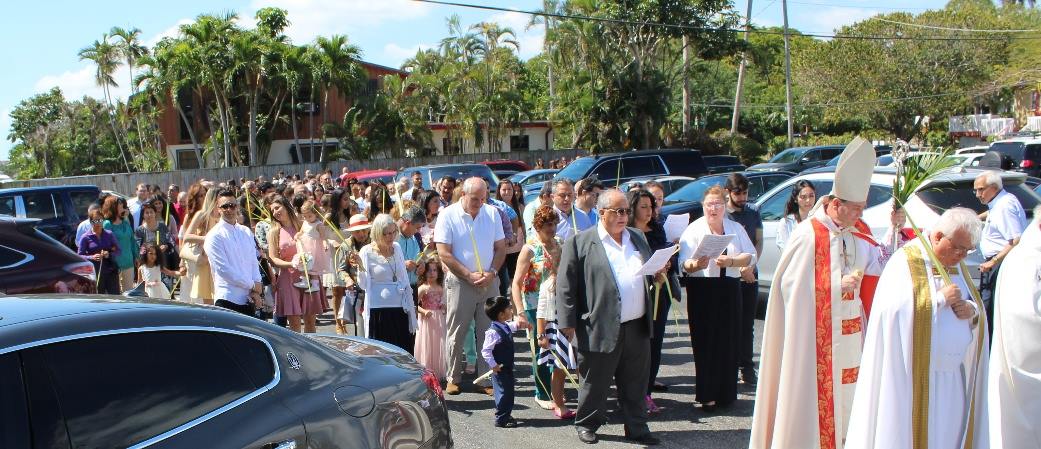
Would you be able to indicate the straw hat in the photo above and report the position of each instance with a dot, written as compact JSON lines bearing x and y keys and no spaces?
{"x":358,"y":222}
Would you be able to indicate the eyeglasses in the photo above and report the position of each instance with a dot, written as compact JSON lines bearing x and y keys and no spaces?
{"x":228,"y":206}
{"x":97,"y":221}
{"x":960,"y":249}
{"x":618,"y":210}
{"x":714,"y":205}
{"x":564,"y":195}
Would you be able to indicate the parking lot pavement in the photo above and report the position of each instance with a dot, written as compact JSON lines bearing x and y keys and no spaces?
{"x":680,"y":425}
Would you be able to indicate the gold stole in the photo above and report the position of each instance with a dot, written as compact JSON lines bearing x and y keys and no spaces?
{"x":921,"y":342}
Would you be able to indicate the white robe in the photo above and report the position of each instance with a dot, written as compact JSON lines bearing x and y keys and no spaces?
{"x":1014,"y":384}
{"x":882,"y":406}
{"x":788,"y":396}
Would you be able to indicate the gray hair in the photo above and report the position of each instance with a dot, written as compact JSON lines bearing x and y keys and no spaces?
{"x":473,"y":183}
{"x":405,"y":181}
{"x":380,"y":224}
{"x":564,"y":181}
{"x":962,"y":218}
{"x":604,"y":201}
{"x":991,"y":177}
{"x":414,"y":214}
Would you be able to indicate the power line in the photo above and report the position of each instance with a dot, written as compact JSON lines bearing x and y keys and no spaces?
{"x":847,"y":5}
{"x":967,"y":30}
{"x":733,"y":30}
{"x":833,"y":104}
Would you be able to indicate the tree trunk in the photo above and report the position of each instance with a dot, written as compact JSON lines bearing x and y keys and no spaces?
{"x":191,"y":135}
{"x":325,"y":120}
{"x":253,"y":151}
{"x":292,"y":118}
{"x":686,"y":90}
{"x":310,"y":124}
{"x":112,"y":123}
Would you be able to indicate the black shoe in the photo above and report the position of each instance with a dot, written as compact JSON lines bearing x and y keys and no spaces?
{"x":587,"y":436}
{"x":659,"y":387}
{"x":646,"y":439}
{"x":508,"y":424}
{"x":749,"y":376}
{"x":708,"y":408}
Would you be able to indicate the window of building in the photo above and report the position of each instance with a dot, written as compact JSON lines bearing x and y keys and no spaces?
{"x":519,"y":143}
{"x":186,"y":101}
{"x":453,"y":147}
{"x":186,"y":159}
{"x":156,"y":387}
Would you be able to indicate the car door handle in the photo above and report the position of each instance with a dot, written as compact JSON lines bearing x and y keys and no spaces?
{"x":287,"y":444}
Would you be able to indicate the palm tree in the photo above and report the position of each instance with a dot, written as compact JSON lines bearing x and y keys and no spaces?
{"x":128,"y":45}
{"x":209,"y":40}
{"x":339,"y":69}
{"x":164,"y":80}
{"x":104,"y":56}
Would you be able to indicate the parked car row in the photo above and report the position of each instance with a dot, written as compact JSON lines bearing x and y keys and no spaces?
{"x":59,"y":209}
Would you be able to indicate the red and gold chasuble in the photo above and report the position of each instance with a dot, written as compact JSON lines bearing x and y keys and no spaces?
{"x":839,"y":323}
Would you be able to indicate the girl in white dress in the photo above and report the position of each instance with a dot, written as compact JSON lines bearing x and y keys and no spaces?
{"x":151,"y":272}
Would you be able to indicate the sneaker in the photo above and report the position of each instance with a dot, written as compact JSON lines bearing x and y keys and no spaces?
{"x":508,"y":424}
{"x":652,"y":408}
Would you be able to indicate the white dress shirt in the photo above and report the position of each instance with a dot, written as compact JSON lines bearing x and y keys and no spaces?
{"x":1005,"y":222}
{"x":232,"y":253}
{"x":625,"y":261}
{"x":692,"y":236}
{"x":467,"y":233}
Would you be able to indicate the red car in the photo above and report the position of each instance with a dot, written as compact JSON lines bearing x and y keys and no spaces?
{"x":33,"y":262}
{"x":387,"y":176}
{"x":504,"y":168}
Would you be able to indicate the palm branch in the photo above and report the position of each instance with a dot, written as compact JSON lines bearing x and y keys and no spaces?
{"x":911,"y":175}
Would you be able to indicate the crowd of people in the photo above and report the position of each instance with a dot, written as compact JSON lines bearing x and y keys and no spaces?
{"x":451,"y":272}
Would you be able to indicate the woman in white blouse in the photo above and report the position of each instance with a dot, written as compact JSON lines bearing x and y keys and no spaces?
{"x":714,"y":300}
{"x":804,"y":196}
{"x":389,"y":310}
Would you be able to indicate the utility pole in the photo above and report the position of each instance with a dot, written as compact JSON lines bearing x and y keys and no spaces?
{"x":787,"y":71}
{"x":741,"y":72}
{"x":686,"y":89}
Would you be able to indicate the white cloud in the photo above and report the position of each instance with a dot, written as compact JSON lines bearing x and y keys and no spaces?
{"x":173,"y":31}
{"x":529,"y":38}
{"x":311,"y":18}
{"x":396,"y":52}
{"x":830,"y":19}
{"x":75,"y":84}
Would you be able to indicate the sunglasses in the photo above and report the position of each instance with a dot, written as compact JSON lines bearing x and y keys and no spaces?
{"x":228,"y":206}
{"x":97,"y":221}
{"x":618,"y":210}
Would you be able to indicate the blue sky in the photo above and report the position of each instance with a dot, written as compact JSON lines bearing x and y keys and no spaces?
{"x":42,"y":39}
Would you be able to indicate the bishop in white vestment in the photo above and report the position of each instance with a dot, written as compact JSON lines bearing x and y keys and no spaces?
{"x":925,"y":355}
{"x":812,"y":338}
{"x":1014,"y":375}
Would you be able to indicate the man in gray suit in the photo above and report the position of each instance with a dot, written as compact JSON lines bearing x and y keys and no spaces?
{"x":605,"y":310}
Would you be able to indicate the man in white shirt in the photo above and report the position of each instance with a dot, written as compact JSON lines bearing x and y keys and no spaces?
{"x":1001,"y":230}
{"x":603,"y":309}
{"x":134,"y":205}
{"x":471,"y":243}
{"x":564,"y":203}
{"x":232,"y":254}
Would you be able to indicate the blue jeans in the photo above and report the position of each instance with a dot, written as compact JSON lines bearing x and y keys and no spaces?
{"x":503,"y":383}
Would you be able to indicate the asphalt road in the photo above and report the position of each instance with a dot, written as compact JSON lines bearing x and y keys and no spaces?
{"x":681,"y":424}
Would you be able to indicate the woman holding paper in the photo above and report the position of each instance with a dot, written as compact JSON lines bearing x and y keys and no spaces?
{"x":643,"y":205}
{"x":713,"y":299}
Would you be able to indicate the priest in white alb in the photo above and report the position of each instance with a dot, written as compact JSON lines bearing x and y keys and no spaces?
{"x":923,"y":371}
{"x":1014,"y":377}
{"x":812,"y":338}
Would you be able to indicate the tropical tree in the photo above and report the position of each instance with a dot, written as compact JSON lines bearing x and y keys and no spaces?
{"x":104,"y":55}
{"x":336,"y":68}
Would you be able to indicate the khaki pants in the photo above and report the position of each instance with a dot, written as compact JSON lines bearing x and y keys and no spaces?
{"x":126,"y":279}
{"x":465,"y":305}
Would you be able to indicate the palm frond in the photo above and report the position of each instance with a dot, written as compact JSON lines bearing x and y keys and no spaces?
{"x":913,"y":172}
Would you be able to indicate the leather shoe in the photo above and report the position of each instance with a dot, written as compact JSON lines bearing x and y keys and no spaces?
{"x":646,"y":439}
{"x":452,"y":389}
{"x":659,"y":387}
{"x":587,"y":436}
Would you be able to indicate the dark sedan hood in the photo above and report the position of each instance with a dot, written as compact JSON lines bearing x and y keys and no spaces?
{"x":769,"y":166}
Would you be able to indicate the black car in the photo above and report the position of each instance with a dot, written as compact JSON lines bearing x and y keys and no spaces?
{"x":798,"y":159}
{"x":34,"y":262}
{"x":618,"y":168}
{"x":723,"y":164}
{"x":100,"y":371}
{"x":432,"y":173}
{"x":59,"y":208}
{"x":688,"y":198}
{"x":1023,"y":153}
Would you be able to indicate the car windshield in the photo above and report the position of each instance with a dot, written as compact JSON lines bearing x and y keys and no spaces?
{"x":788,"y":156}
{"x":577,"y":169}
{"x":943,"y":196}
{"x":460,"y":172}
{"x":834,"y":162}
{"x":695,"y":190}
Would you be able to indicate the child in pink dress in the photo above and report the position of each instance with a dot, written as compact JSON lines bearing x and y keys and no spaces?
{"x":313,"y":238}
{"x":430,"y":338}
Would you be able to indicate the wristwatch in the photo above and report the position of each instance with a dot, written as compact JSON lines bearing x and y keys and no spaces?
{"x":494,"y":271}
